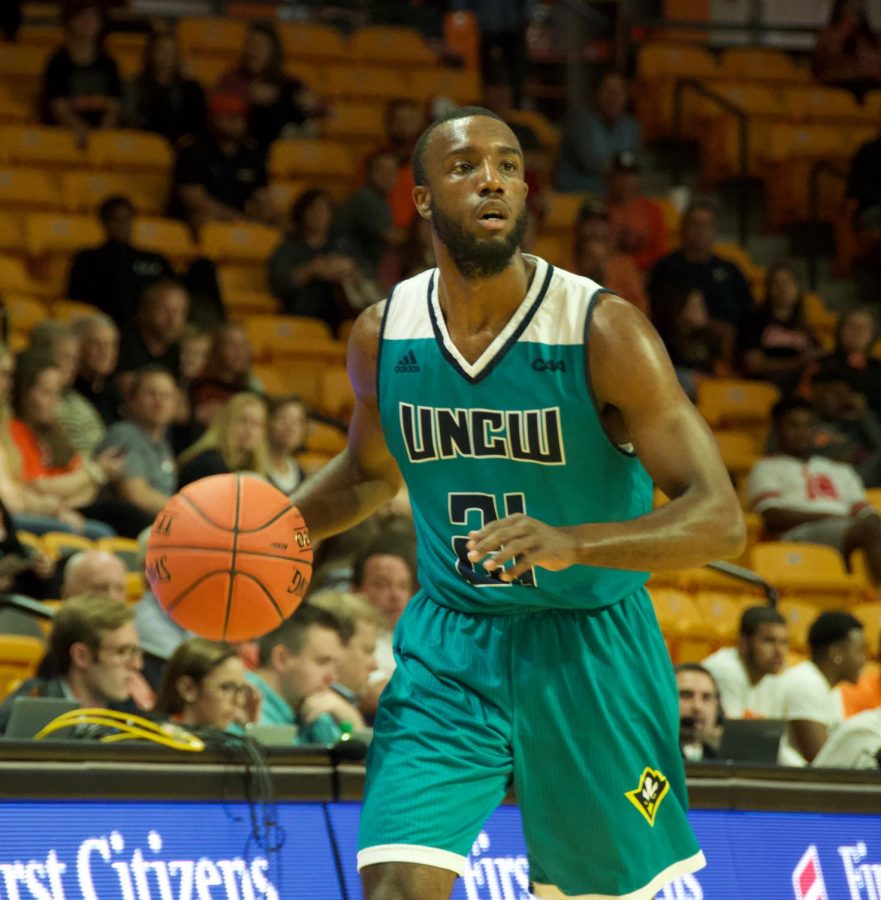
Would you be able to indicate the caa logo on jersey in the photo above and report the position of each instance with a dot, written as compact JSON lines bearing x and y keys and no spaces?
{"x":807,"y":877}
{"x":549,"y":365}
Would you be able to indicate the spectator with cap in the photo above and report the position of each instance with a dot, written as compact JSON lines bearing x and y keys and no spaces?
{"x":748,"y":675}
{"x":593,"y":136}
{"x":805,"y":497}
{"x":699,"y":712}
{"x":81,"y":84}
{"x":808,"y":702}
{"x":99,"y":354}
{"x":637,"y":223}
{"x":92,"y":655}
{"x":113,"y":275}
{"x":221,"y":176}
{"x":694,"y":265}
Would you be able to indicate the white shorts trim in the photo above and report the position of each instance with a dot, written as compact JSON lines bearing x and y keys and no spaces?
{"x":412,"y":853}
{"x":677,"y":870}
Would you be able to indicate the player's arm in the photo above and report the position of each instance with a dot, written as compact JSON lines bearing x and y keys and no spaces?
{"x":356,"y":482}
{"x":639,"y":396}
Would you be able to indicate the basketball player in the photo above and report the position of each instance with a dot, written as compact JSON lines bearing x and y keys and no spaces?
{"x":529,"y":412}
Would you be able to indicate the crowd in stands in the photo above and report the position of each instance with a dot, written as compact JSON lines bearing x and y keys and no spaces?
{"x":154,"y":385}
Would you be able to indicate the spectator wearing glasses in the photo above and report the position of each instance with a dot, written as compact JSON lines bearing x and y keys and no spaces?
{"x":93,"y":654}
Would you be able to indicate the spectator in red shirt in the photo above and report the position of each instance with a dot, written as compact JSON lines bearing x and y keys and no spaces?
{"x":404,"y":122}
{"x":637,"y":222}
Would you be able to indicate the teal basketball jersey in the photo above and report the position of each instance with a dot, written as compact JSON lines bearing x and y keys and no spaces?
{"x":517,"y":431}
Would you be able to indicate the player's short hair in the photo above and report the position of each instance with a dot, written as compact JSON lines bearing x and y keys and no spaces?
{"x":109,"y":206}
{"x":291,"y":634}
{"x":756,"y":616}
{"x":83,"y":619}
{"x":420,"y":176}
{"x":829,"y":628}
{"x":789,"y":404}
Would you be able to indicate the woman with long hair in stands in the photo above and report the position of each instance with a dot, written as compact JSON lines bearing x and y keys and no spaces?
{"x":203,"y":685}
{"x":777,"y":344}
{"x":235,"y":442}
{"x":848,"y":51}
{"x":160,"y":97}
{"x":286,"y":435}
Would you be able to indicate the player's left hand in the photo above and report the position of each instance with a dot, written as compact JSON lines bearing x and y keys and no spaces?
{"x":524,"y":540}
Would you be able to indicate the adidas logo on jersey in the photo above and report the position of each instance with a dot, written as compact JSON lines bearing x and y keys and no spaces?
{"x":407,"y":363}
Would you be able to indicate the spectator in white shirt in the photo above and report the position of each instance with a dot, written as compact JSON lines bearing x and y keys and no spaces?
{"x":699,"y":712}
{"x":803,"y":497}
{"x":748,"y":675}
{"x":856,"y":744}
{"x":808,"y":703}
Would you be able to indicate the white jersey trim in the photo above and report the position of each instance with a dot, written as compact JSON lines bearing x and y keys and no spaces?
{"x":408,"y":318}
{"x":412,"y":853}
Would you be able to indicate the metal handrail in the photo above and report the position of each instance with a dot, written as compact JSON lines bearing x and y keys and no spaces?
{"x":739,"y":573}
{"x":818,"y":169}
{"x":686,"y":84}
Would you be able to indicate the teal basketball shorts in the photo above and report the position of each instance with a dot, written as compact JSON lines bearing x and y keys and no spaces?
{"x":576,"y":708}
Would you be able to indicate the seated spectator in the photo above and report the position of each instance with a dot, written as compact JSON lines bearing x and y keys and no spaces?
{"x":91,"y":657}
{"x":358,"y":661}
{"x":96,"y":573}
{"x":298,"y":664}
{"x":855,"y":744}
{"x":804,"y":497}
{"x":235,"y":442}
{"x":160,"y":97}
{"x":593,"y":136}
{"x":864,"y":195}
{"x":847,"y":431}
{"x":699,"y":712}
{"x":221,"y":176}
{"x":848,"y":51}
{"x":82,"y":423}
{"x":365,"y":219}
{"x":50,"y":465}
{"x":776,"y":344}
{"x":694,"y":265}
{"x":99,"y":355}
{"x":154,"y":338}
{"x":195,"y":345}
{"x":81,"y":84}
{"x":149,"y":474}
{"x":747,"y":675}
{"x":808,"y":703}
{"x":113,"y":275}
{"x":385,"y":573}
{"x":638,"y":227}
{"x":308,"y":272}
{"x":684,"y":326}
{"x":404,"y":121}
{"x":203,"y":686}
{"x":285,"y":436}
{"x":856,"y":334}
{"x":278,"y":104}
{"x":227,"y":371}
{"x":595,"y":253}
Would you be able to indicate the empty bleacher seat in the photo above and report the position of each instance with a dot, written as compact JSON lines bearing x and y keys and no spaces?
{"x":312,"y":41}
{"x":316,"y":161}
{"x":130,"y":151}
{"x":41,"y":146}
{"x":83,"y":192}
{"x":808,"y":570}
{"x":19,"y":656}
{"x":211,"y":36}
{"x":239,"y":242}
{"x":403,"y":47}
{"x":730,"y":402}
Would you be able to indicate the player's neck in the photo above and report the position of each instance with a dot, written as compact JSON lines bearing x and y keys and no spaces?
{"x":471,"y":305}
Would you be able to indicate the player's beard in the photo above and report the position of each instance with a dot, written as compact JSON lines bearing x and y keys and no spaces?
{"x":477,"y":257}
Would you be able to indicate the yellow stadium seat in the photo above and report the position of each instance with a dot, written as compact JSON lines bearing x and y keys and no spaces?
{"x":311,"y":41}
{"x":207,"y":69}
{"x":324,"y":438}
{"x":561,"y":211}
{"x":66,"y":310}
{"x":822,"y":104}
{"x":19,"y":62}
{"x":23,"y":312}
{"x":83,"y":192}
{"x":811,"y":141}
{"x":762,"y":63}
{"x":241,"y":304}
{"x":671,"y":60}
{"x":335,"y":395}
{"x":354,"y":121}
{"x":543,"y":129}
{"x":311,"y":462}
{"x":458,"y":84}
{"x":720,"y":614}
{"x":677,"y":612}
{"x":130,"y":151}
{"x":58,"y":543}
{"x":693,"y":650}
{"x":211,"y":36}
{"x":368,"y":83}
{"x":41,"y":146}
{"x":394,"y":46}
{"x":738,"y":450}
{"x":316,"y":161}
{"x":241,"y":278}
{"x":12,"y":238}
{"x":273,"y":332}
{"x":807,"y":569}
{"x":15,"y":109}
{"x":34,"y":36}
{"x":556,"y":248}
{"x":14,"y":277}
{"x":31,"y":189}
{"x":730,"y":402}
{"x":54,"y":233}
{"x":166,"y":236}
{"x":135,"y":585}
{"x":19,"y":657}
{"x":870,"y":615}
{"x":284,"y":193}
{"x":234,"y":242}
{"x":799,"y":613}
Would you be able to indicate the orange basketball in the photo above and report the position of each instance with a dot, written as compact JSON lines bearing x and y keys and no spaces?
{"x":229,"y":557}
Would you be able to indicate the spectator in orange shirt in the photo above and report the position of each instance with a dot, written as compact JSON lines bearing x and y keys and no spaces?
{"x":595,"y":256}
{"x":637,"y":222}
{"x":404,"y":122}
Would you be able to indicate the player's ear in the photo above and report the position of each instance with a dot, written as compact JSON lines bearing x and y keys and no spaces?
{"x":422,"y":199}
